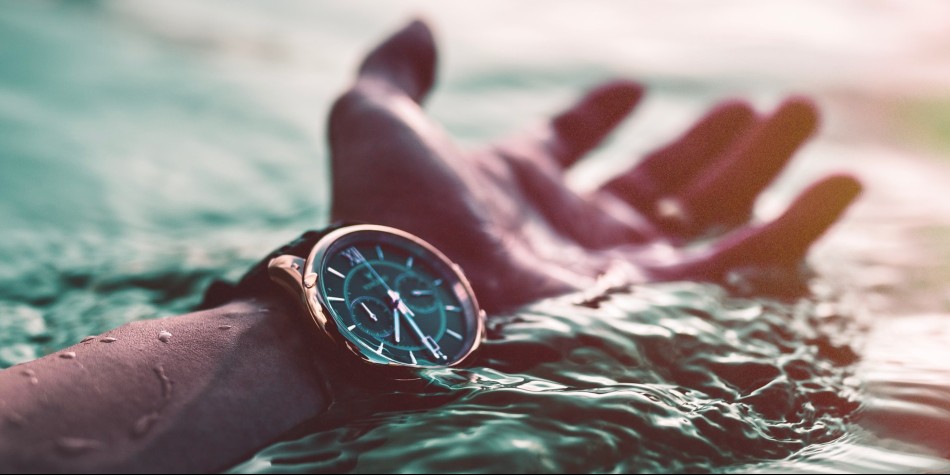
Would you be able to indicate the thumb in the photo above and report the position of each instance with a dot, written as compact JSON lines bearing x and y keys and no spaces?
{"x":406,"y":61}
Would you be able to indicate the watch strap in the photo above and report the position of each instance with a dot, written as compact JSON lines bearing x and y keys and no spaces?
{"x":256,"y":282}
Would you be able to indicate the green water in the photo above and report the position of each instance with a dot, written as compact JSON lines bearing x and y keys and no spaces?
{"x":148,"y":148}
{"x":675,"y":377}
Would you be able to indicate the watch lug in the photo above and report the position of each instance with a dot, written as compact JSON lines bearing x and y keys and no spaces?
{"x":287,"y":271}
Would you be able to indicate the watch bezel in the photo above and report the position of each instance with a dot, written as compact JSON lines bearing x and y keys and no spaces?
{"x":321,"y":313}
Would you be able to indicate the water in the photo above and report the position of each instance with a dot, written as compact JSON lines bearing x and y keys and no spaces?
{"x":148,"y":148}
{"x":671,"y":377}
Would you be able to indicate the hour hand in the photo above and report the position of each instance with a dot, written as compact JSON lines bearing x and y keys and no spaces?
{"x":396,"y":323}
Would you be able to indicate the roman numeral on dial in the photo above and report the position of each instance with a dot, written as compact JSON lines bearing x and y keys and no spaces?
{"x":354,"y":256}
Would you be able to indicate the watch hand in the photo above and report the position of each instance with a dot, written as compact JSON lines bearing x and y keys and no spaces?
{"x":362,"y":259}
{"x":370,"y":312}
{"x":416,"y":293}
{"x":398,"y":303}
{"x":425,"y":339}
{"x":396,"y":320}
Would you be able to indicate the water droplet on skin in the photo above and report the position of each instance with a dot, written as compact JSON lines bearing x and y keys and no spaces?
{"x":144,"y":424}
{"x":166,"y":383}
{"x":29,"y":373}
{"x":164,"y":336}
{"x":225,"y":327}
{"x":16,"y":419}
{"x":68,"y":355}
{"x":76,"y":445}
{"x":88,"y":338}
{"x":107,"y":339}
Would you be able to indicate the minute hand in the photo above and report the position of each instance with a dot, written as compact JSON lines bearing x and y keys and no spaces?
{"x":426,"y":340}
{"x":402,"y":307}
{"x":361,"y":258}
{"x":389,"y":291}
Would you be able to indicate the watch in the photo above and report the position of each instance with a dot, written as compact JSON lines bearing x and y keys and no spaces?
{"x":380,"y":294}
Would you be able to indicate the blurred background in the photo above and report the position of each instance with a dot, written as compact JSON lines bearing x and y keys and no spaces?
{"x":147,"y":147}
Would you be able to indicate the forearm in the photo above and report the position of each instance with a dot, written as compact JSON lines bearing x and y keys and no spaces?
{"x":226,"y":381}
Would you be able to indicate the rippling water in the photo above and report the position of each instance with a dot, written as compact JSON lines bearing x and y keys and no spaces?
{"x":672,"y":377}
{"x":147,"y":148}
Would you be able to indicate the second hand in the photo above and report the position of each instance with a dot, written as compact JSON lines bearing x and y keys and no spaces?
{"x":401,"y":307}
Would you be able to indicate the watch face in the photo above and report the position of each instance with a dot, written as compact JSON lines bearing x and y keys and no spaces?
{"x":394,"y":297}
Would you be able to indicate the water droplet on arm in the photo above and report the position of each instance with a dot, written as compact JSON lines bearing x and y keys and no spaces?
{"x":165,"y":381}
{"x":16,"y":419}
{"x":88,"y":338}
{"x":224,"y":327}
{"x":67,"y":355}
{"x":108,"y":339}
{"x":77,"y":446}
{"x":164,"y":336}
{"x":144,"y":424}
{"x":29,"y":373}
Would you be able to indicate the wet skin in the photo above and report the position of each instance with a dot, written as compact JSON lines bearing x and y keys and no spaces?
{"x":229,"y":380}
{"x":506,"y":215}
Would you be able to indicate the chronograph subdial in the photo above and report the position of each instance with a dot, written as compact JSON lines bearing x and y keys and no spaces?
{"x":372,"y":316}
{"x":417,"y":292}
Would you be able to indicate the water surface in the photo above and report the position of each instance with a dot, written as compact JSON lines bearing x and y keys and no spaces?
{"x":149,"y":147}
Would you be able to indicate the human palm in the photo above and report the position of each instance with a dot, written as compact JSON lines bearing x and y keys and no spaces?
{"x":506,"y":215}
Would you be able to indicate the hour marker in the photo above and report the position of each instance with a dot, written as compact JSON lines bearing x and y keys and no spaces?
{"x":412,"y":357}
{"x":455,"y":335}
{"x":338,"y":299}
{"x":336,"y":272}
{"x":452,"y":308}
{"x":353,"y":255}
{"x":351,"y":327}
{"x":379,"y":252}
{"x":437,"y":282}
{"x":379,"y":351}
{"x":409,"y":262}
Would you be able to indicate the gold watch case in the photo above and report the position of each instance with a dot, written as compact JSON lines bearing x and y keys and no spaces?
{"x":301,"y":276}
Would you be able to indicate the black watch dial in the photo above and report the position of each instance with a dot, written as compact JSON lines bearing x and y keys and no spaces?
{"x":395,"y":298}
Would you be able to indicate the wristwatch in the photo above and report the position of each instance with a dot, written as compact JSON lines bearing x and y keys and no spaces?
{"x":380,"y":294}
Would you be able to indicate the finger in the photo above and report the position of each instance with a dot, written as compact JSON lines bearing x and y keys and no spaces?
{"x":570,"y":215}
{"x":585,"y":124}
{"x":405,"y":62}
{"x":726,"y":193}
{"x":782,"y":242}
{"x":666,"y":170}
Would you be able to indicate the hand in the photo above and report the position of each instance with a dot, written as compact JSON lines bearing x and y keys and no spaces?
{"x":369,"y":312}
{"x":505,"y":214}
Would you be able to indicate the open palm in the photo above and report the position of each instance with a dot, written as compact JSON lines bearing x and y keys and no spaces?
{"x":505,"y":214}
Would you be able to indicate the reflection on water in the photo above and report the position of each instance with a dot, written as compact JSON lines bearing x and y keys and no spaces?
{"x":133,"y":173}
{"x":673,"y":377}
